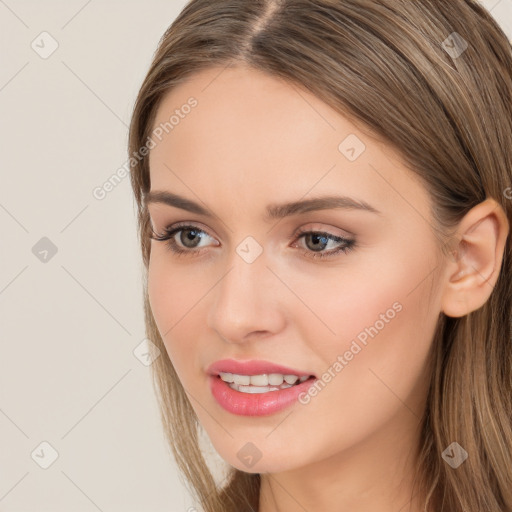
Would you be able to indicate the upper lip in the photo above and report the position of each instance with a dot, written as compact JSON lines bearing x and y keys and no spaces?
{"x":252,"y":367}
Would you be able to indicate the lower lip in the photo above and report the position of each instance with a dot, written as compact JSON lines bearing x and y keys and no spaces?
{"x":256,"y":404}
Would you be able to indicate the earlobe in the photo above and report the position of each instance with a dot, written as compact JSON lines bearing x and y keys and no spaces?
{"x":478,"y":253}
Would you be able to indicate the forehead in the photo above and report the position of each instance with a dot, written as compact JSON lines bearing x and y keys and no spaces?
{"x":251,"y":137}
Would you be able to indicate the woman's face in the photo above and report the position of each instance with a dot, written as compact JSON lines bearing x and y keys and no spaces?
{"x":249,"y":287}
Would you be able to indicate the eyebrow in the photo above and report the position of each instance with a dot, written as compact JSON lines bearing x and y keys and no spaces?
{"x":273,"y":211}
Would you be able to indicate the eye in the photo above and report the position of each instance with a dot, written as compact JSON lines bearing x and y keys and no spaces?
{"x":190,"y":238}
{"x":320,"y":239}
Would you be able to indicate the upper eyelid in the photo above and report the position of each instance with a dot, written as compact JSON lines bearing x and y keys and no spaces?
{"x":297,"y":232}
{"x":184,"y":225}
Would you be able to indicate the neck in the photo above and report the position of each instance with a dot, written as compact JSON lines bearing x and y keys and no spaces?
{"x":377,"y":474}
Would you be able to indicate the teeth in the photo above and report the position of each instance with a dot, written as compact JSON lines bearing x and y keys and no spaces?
{"x":261,"y":383}
{"x":244,"y":380}
{"x":272,"y":379}
{"x":257,"y":389}
{"x":276,"y":379}
{"x":259,"y":380}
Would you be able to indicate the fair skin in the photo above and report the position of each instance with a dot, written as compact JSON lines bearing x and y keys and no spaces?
{"x":252,"y":141}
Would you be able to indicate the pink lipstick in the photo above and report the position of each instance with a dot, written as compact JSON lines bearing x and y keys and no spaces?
{"x":256,"y":388}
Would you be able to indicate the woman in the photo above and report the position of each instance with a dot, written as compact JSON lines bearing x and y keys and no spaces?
{"x":324,"y":200}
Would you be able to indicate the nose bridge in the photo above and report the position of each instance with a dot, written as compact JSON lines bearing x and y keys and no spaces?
{"x":244,"y":298}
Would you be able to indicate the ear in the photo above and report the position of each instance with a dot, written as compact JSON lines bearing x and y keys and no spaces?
{"x":477,"y":257}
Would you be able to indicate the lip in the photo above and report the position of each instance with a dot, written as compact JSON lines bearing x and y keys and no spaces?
{"x":256,"y":404}
{"x":253,"y":367}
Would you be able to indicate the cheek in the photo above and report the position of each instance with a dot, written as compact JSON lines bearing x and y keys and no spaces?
{"x":375,"y":362}
{"x":173,"y":297}
{"x":377,"y":317}
{"x":174,"y":290}
{"x":379,"y":298}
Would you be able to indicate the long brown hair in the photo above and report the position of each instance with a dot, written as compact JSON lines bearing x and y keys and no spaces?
{"x":402,"y":69}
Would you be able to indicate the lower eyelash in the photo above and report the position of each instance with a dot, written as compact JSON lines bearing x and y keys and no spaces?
{"x":168,"y":236}
{"x":349,"y":245}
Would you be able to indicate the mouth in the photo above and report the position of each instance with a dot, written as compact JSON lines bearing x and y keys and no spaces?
{"x":258,"y":400}
{"x":263,"y":383}
{"x":258,"y":371}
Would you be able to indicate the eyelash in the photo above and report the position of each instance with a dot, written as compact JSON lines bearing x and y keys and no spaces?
{"x":168,"y":236}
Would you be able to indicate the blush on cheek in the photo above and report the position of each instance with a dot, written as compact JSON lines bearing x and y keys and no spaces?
{"x":175,"y":303}
{"x":357,"y":312}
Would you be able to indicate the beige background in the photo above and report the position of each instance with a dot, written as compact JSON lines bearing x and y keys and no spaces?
{"x":71,"y":320}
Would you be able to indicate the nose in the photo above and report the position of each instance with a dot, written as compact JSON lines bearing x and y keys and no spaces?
{"x":246,"y":302}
